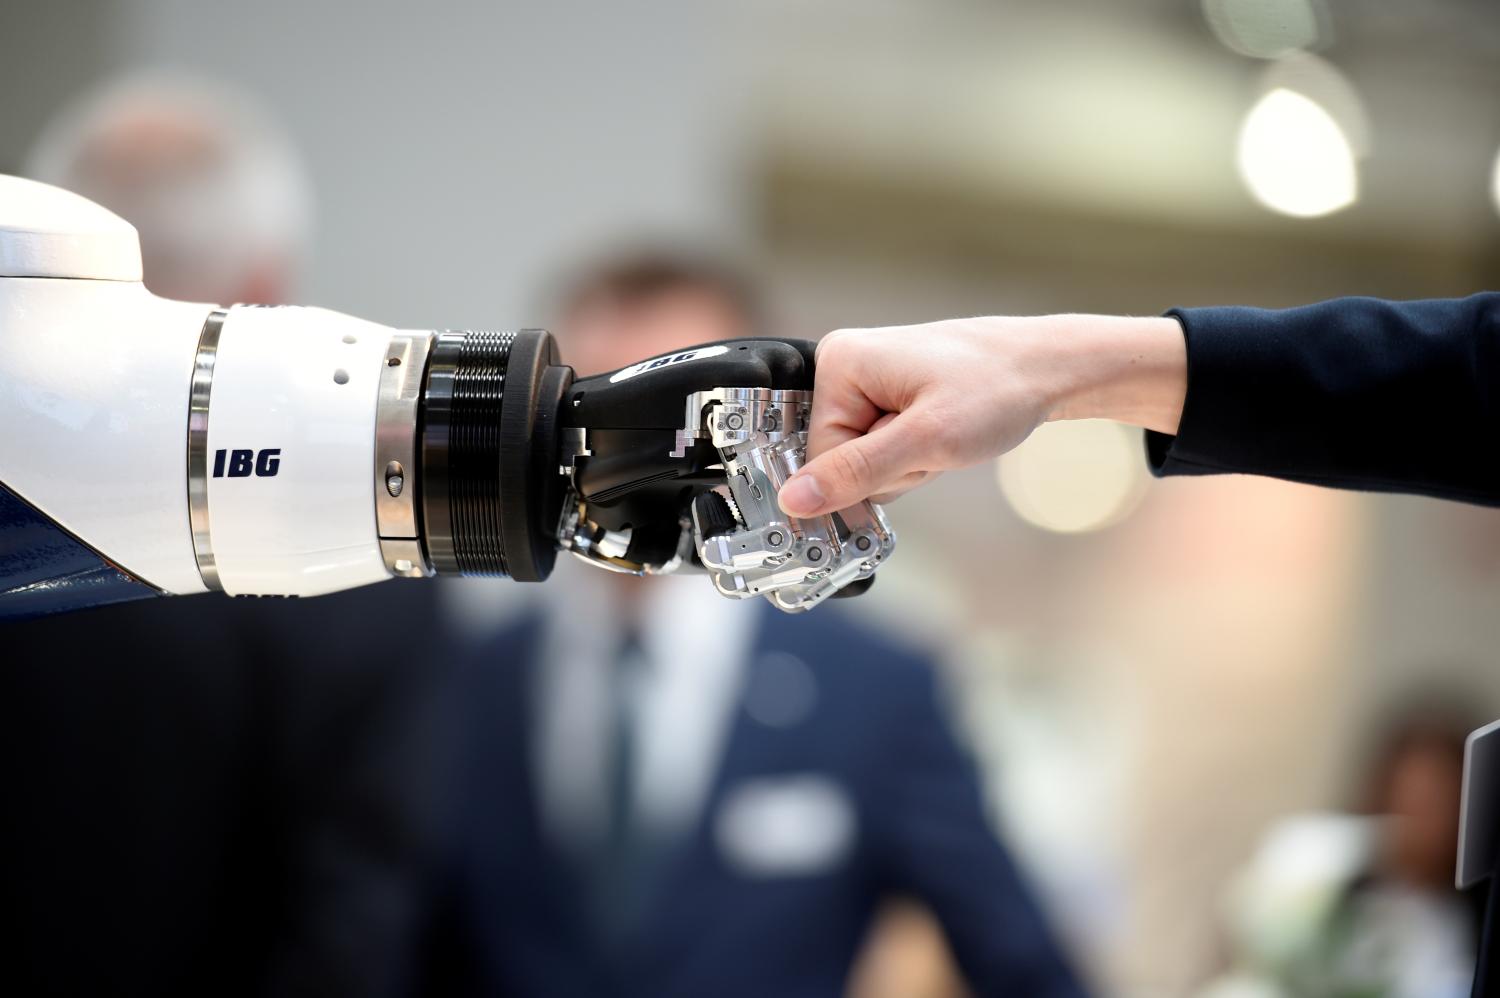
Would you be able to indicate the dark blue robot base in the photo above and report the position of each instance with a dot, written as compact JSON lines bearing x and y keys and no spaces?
{"x":44,"y":569}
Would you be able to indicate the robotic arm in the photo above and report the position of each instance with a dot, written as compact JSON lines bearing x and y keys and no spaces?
{"x":152,"y":447}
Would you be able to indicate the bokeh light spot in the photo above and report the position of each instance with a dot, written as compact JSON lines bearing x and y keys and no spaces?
{"x":1294,"y":157}
{"x":1072,"y":477}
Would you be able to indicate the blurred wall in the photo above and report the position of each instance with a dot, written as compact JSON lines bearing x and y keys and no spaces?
{"x":460,"y":152}
{"x":47,"y":51}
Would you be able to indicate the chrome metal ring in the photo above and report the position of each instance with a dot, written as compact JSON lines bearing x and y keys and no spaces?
{"x":197,"y":448}
{"x":397,"y":412}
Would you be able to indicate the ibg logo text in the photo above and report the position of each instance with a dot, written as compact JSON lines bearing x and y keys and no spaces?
{"x":244,"y":463}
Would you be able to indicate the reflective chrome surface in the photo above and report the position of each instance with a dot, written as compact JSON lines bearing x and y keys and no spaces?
{"x":197,"y":448}
{"x":396,"y":462}
{"x":795,"y":563}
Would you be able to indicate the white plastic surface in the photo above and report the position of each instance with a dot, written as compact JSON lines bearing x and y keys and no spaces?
{"x":304,"y":382}
{"x":95,"y":378}
{"x":94,"y":383}
{"x":49,"y":232}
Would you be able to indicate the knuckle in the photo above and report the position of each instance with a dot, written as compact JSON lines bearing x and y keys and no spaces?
{"x":833,"y":344}
{"x":851,"y":467}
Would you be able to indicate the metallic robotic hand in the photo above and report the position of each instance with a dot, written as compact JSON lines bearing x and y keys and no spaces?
{"x":733,"y":445}
{"x":153,"y":447}
{"x":744,"y":539}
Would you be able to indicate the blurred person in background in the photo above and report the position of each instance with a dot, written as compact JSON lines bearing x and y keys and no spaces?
{"x":210,"y":796}
{"x":215,"y":187}
{"x":1344,"y":905}
{"x":674,"y":794}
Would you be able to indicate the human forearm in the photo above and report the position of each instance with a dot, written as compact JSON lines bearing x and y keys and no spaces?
{"x":1131,"y":370}
{"x":1355,"y":392}
{"x":898,"y":404}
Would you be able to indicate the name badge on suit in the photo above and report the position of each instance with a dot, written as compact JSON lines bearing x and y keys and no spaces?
{"x":797,"y":825}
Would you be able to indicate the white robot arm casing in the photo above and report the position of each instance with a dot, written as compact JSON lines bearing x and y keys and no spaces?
{"x":291,"y":451}
{"x":95,"y":399}
{"x":94,"y":424}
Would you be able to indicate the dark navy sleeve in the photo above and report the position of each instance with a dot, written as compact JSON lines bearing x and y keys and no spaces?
{"x":934,"y":842}
{"x":1354,"y":393}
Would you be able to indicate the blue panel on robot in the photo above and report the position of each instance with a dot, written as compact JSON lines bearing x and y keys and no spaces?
{"x":44,"y":569}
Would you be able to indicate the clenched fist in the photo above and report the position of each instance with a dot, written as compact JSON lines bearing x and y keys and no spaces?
{"x":894,"y":406}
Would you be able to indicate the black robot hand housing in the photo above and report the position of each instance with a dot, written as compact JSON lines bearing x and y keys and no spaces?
{"x":671,"y":463}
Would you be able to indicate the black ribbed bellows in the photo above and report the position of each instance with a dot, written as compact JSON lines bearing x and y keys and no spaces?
{"x":461,"y":452}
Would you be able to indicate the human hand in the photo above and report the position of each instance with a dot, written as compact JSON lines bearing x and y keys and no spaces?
{"x":894,"y":406}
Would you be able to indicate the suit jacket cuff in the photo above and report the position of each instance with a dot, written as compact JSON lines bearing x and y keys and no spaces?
{"x":1169,"y":454}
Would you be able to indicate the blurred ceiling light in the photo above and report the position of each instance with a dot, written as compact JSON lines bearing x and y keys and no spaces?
{"x":1072,"y":477}
{"x":1315,"y":77}
{"x":1295,"y":158}
{"x":1268,"y":29}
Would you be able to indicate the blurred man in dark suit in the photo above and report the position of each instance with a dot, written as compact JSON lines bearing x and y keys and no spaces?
{"x":668,"y":793}
{"x":207,"y":796}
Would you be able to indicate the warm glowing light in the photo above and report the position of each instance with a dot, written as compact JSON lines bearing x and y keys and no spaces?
{"x":1072,"y":477}
{"x":1295,"y":158}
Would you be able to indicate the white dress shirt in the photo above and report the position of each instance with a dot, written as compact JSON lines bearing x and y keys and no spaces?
{"x":695,"y":644}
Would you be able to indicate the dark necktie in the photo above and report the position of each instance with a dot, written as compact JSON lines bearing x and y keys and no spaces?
{"x":621,"y":870}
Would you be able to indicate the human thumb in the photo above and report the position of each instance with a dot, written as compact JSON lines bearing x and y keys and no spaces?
{"x":853,"y":470}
